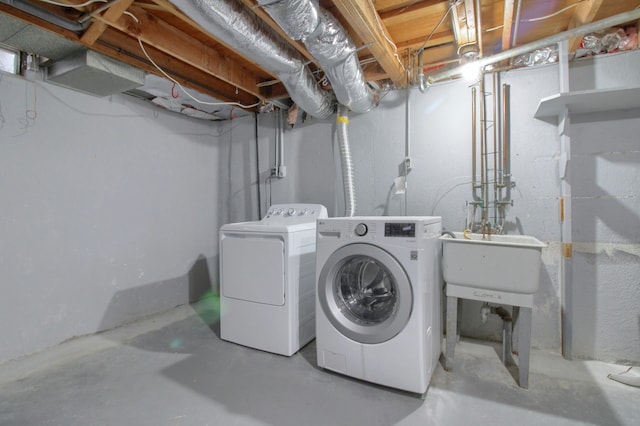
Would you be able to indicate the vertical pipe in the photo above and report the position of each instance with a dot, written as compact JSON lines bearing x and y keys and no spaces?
{"x":499,"y":128}
{"x":494,"y":99}
{"x":474,"y":184}
{"x":407,"y":150}
{"x":506,"y":143}
{"x":479,"y":27}
{"x":483,"y":141}
{"x":255,"y":122}
{"x":280,"y":127}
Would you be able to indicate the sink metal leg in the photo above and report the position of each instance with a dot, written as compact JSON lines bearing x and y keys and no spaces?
{"x":524,"y":345}
{"x":452,"y":331}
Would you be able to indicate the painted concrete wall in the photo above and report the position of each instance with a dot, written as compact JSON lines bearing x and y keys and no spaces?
{"x":111,"y":207}
{"x":604,"y":174}
{"x":110,"y":211}
{"x":438,"y":144}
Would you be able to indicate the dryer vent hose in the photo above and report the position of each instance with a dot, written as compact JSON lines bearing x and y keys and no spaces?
{"x":342,"y":120}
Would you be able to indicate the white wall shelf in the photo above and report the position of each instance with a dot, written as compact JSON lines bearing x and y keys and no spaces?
{"x":588,"y":101}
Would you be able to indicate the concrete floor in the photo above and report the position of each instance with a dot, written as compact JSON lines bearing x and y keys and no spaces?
{"x":172,"y":369}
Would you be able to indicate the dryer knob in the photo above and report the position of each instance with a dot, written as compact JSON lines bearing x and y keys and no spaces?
{"x":361,"y":230}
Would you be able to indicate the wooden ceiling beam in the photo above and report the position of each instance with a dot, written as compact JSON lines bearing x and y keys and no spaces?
{"x":166,"y":38}
{"x":437,"y":40}
{"x":507,"y":25}
{"x":403,"y":6}
{"x":169,"y":7}
{"x":118,"y":45}
{"x":366,"y":24}
{"x":584,"y":14}
{"x":98,"y":27}
{"x":412,"y":8}
{"x":438,"y":54}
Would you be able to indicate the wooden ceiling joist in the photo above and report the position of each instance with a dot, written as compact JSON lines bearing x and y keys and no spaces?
{"x":111,"y":15}
{"x":120,"y":46}
{"x":365,"y":23}
{"x":584,"y":14}
{"x":507,"y":24}
{"x":166,"y":38}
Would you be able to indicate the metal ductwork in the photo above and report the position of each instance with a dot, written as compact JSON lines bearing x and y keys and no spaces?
{"x":329,"y":44}
{"x":235,"y":25}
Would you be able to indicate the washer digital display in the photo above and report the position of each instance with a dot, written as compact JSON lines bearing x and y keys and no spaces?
{"x":400,"y":230}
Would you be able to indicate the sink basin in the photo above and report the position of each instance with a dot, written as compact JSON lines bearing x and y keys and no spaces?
{"x":504,"y":263}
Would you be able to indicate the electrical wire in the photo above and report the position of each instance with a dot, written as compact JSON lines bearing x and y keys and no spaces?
{"x":488,"y":30}
{"x":87,"y":3}
{"x":542,"y":18}
{"x":185,"y":91}
{"x":384,"y":34}
{"x":152,"y":61}
{"x":419,"y":51}
{"x":436,"y":27}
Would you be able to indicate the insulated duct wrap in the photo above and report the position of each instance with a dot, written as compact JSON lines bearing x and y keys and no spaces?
{"x":330,"y":45}
{"x":298,"y":18}
{"x":231,"y":22}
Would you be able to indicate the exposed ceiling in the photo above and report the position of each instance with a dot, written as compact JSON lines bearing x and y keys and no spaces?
{"x":388,"y":34}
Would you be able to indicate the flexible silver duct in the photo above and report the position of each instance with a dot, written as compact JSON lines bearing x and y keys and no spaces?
{"x":329,"y":44}
{"x":231,"y":22}
{"x":347,"y":164}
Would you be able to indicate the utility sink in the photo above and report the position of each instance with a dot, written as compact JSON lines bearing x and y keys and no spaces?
{"x":503,"y":263}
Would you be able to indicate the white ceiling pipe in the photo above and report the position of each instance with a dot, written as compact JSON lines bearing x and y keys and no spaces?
{"x":612,"y":21}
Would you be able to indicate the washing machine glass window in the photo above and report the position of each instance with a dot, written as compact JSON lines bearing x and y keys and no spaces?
{"x":365,"y":293}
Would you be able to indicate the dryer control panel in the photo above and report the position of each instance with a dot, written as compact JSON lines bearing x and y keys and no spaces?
{"x":296,"y":212}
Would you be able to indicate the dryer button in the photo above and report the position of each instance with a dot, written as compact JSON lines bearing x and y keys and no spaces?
{"x":361,"y":230}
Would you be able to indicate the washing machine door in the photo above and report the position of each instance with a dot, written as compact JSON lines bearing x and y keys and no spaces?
{"x":365,"y":293}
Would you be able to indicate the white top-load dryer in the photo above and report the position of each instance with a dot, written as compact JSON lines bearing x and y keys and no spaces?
{"x":267,"y":279}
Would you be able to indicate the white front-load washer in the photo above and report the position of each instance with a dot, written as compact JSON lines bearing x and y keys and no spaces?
{"x":378,"y":299}
{"x":267,"y":279}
